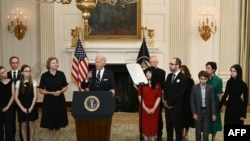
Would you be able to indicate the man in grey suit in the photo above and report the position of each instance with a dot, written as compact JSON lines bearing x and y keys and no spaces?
{"x":202,"y":106}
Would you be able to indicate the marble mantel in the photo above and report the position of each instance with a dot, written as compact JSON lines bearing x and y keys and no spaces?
{"x":113,"y":55}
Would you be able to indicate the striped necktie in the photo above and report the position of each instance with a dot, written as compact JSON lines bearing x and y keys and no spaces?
{"x":173,"y":77}
{"x":98,"y":79}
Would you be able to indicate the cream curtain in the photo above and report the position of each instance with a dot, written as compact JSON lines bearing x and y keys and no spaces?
{"x":245,"y":40}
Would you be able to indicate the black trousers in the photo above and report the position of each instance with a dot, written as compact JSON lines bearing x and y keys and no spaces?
{"x":7,"y":124}
{"x":160,"y":121}
{"x":173,"y":122}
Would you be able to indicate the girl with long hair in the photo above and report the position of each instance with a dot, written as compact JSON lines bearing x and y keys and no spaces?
{"x":25,"y":97}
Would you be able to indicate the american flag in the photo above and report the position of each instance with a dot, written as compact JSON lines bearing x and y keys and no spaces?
{"x":80,"y":65}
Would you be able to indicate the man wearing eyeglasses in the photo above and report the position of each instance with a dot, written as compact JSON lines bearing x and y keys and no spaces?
{"x":14,"y":74}
{"x":174,"y":90}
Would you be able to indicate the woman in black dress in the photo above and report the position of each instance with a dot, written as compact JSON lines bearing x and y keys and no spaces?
{"x":26,"y":96}
{"x":236,"y":95}
{"x":53,"y":84}
{"x":6,"y":107}
{"x":187,"y":117}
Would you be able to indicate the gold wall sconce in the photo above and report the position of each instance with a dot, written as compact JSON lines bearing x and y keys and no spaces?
{"x":17,"y":24}
{"x":150,"y":34}
{"x":75,"y":33}
{"x":207,"y":26}
{"x":150,"y":39}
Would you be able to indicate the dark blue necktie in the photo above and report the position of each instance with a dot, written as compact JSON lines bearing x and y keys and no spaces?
{"x":14,"y":76}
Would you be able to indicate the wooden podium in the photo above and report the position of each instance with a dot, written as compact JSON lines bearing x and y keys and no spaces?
{"x":93,"y":113}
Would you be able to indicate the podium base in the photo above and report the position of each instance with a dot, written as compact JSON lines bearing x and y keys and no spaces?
{"x":93,"y":129}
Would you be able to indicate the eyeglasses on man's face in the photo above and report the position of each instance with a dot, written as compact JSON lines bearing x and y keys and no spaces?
{"x":172,"y":64}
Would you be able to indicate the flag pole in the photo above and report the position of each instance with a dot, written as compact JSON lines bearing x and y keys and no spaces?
{"x":141,"y":86}
{"x":80,"y":65}
{"x":78,"y":81}
{"x":144,"y":30}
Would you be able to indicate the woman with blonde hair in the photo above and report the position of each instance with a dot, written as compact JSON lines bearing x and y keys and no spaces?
{"x":53,"y":84}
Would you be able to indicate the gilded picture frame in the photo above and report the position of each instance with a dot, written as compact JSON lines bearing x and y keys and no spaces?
{"x":119,"y":21}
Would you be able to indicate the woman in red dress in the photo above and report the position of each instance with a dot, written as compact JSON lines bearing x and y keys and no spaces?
{"x":149,"y":95}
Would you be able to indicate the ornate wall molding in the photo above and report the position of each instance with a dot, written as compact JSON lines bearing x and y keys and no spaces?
{"x":47,"y":34}
{"x":180,"y":20}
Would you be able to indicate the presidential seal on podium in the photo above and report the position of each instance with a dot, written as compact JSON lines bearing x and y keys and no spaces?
{"x":91,"y":103}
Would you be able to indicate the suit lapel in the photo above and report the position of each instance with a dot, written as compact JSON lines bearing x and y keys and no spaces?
{"x":207,"y":95}
{"x":174,"y":81}
{"x":18,"y":75}
{"x":199,"y":93}
{"x":104,"y":75}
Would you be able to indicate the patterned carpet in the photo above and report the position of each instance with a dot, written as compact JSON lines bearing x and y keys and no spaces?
{"x":124,"y":128}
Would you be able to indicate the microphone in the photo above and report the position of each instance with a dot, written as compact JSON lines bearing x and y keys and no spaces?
{"x":90,"y":80}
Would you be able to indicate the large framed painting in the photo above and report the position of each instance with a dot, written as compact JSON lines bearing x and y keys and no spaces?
{"x":119,"y":21}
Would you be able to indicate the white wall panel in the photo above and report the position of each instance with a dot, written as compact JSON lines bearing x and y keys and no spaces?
{"x":26,"y":49}
{"x":207,"y":2}
{"x":230,"y":20}
{"x":203,"y":51}
{"x":19,"y":3}
{"x":156,"y":22}
{"x":69,"y":21}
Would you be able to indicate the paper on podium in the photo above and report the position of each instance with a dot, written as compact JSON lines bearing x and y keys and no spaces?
{"x":136,"y":73}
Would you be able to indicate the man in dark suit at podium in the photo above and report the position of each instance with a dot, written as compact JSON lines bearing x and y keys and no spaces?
{"x":15,"y":74}
{"x":99,"y":79}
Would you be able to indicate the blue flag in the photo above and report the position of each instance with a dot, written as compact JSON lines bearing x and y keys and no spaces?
{"x":143,"y":55}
